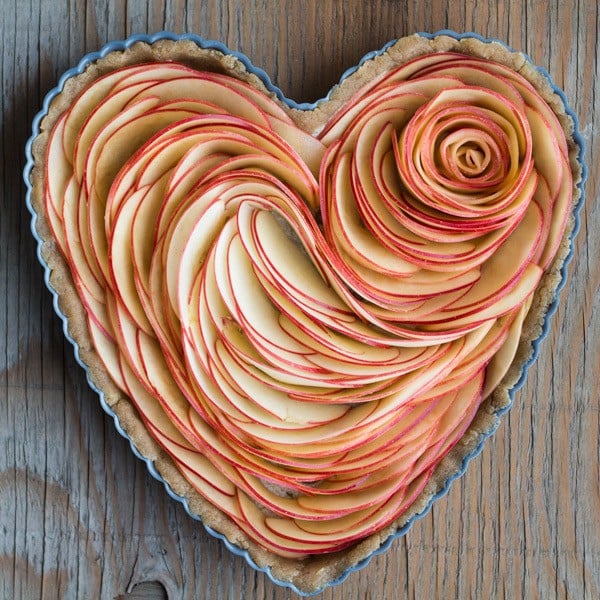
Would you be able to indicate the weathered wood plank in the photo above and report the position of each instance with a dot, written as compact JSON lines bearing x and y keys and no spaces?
{"x":81,"y":518}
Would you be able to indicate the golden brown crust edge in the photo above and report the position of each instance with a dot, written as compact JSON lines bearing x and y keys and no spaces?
{"x":312,"y":573}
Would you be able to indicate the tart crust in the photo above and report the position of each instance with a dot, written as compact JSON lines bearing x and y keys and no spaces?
{"x":314,"y":572}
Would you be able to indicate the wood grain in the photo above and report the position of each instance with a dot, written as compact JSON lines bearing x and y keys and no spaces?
{"x":79,"y":515}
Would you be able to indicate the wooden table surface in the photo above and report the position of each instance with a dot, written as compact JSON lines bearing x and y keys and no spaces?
{"x":80,"y":517}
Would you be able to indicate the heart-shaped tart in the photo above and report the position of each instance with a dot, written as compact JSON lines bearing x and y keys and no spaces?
{"x":307,"y":318}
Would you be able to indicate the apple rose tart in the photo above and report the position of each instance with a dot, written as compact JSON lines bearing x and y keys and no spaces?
{"x":309,"y":310}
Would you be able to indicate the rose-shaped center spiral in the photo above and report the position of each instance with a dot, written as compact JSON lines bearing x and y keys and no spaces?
{"x":467,"y":159}
{"x":469,"y":156}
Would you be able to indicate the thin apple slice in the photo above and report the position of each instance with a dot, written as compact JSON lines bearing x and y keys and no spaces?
{"x":75,"y":244}
{"x":121,"y":263}
{"x":502,"y":359}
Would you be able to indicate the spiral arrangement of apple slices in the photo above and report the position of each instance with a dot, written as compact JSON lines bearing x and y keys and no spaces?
{"x":307,"y":323}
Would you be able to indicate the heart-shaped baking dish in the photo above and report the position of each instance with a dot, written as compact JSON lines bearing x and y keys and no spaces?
{"x":306,"y":319}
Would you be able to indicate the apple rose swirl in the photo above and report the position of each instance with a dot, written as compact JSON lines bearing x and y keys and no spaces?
{"x":307,"y":325}
{"x":444,"y":192}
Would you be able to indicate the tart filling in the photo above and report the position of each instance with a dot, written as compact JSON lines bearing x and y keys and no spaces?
{"x":308,"y":311}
